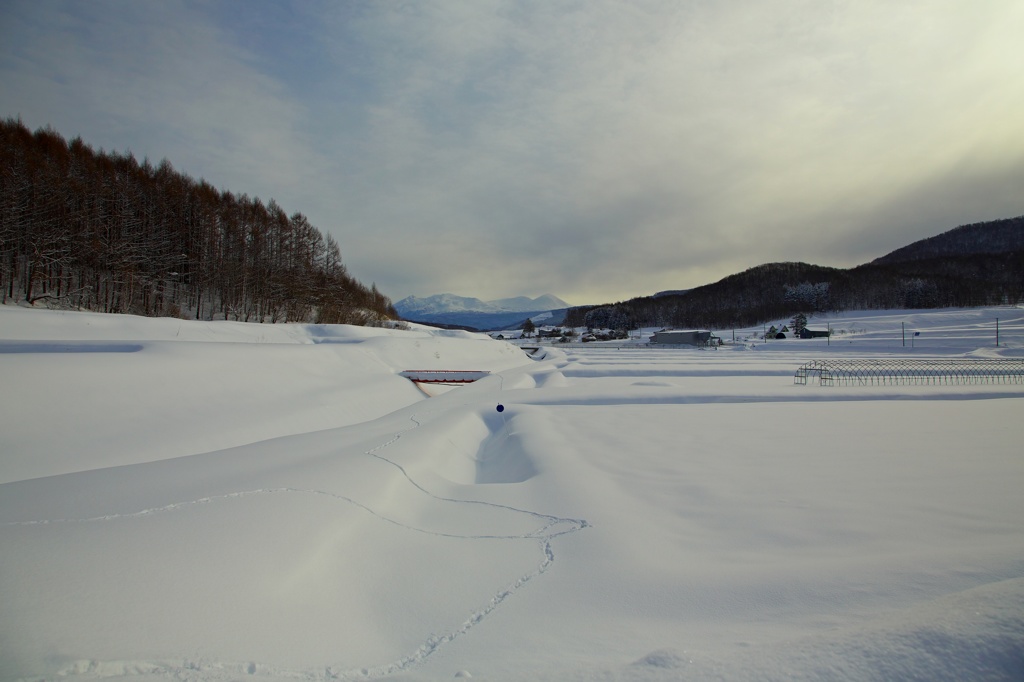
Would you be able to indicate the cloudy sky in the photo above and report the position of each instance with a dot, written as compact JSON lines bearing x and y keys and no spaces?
{"x":593,"y":149}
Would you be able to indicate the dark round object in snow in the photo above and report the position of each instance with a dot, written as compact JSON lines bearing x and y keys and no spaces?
{"x":501,"y":408}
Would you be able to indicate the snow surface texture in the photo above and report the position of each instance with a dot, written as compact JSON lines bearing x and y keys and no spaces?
{"x":217,"y":501}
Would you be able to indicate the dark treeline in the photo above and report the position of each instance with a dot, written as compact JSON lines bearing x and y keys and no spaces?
{"x":100,"y":231}
{"x":965,"y":275}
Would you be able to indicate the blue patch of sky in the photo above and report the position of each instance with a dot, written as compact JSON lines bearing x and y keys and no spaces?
{"x":318,"y":63}
{"x":281,"y":39}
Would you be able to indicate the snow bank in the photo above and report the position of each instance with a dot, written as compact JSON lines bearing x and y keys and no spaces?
{"x":213,"y":501}
{"x":98,"y":390}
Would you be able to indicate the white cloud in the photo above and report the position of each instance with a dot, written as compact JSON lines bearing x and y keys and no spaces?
{"x":592,"y":149}
{"x":647,"y":135}
{"x":162,"y":80}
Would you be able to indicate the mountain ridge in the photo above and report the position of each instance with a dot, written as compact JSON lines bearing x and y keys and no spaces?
{"x":996,"y":236}
{"x":442,"y":304}
{"x":967,"y":266}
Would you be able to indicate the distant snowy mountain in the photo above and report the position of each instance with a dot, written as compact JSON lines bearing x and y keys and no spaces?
{"x":522,"y":304}
{"x":450,"y":303}
{"x":441,"y":303}
{"x":449,"y":309}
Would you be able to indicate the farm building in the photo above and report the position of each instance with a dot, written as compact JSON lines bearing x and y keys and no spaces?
{"x":814,"y":333}
{"x":690,"y":337}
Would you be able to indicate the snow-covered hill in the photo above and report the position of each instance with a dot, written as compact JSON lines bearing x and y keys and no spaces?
{"x":202,"y":501}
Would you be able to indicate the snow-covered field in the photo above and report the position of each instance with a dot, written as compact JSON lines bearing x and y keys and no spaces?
{"x":218,"y":501}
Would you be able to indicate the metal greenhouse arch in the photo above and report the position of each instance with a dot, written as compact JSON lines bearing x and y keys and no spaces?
{"x":897,"y":372}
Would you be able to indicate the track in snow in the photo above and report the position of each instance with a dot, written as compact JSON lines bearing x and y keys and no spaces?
{"x":549,"y":527}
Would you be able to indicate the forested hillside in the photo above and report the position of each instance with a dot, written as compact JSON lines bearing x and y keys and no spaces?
{"x":974,"y":265}
{"x":998,"y":236}
{"x":101,"y":231}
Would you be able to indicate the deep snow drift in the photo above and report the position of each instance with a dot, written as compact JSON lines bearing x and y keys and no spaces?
{"x":213,"y":501}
